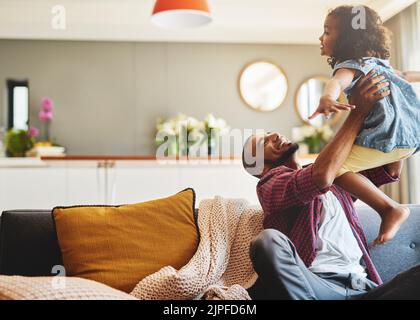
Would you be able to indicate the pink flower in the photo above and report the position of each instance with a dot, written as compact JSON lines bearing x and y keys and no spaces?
{"x":45,"y":116}
{"x":47,"y":104}
{"x":33,"y":132}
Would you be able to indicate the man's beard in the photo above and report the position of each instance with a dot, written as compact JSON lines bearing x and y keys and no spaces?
{"x":286,"y":156}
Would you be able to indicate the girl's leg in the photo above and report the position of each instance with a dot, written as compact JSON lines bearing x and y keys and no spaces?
{"x":392,"y":213}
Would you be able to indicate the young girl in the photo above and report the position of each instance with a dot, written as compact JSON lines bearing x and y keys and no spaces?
{"x":391,"y":131}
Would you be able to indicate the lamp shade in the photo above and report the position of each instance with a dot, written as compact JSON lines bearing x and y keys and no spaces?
{"x":181,"y":13}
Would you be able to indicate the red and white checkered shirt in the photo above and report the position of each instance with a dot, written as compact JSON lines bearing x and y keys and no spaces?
{"x":291,"y":203}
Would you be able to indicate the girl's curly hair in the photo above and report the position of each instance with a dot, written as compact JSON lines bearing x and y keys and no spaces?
{"x":354,"y":44}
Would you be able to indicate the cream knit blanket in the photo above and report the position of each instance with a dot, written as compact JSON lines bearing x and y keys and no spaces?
{"x":221,"y":268}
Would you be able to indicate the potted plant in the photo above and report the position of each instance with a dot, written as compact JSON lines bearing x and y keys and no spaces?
{"x":214,"y":128}
{"x":314,"y":137}
{"x":19,"y":142}
{"x":182,"y":131}
{"x":45,"y":115}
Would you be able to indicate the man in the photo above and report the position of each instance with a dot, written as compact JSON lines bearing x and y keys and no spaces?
{"x":313,"y":245}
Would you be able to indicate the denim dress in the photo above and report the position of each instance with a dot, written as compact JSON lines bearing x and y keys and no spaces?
{"x":394,"y":121}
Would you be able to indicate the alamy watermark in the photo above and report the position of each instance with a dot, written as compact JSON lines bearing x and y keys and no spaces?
{"x":359,"y":20}
{"x":58,"y":20}
{"x":59,"y":280}
{"x":182,"y":147}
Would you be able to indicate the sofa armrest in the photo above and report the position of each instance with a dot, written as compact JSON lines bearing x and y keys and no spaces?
{"x":28,"y":243}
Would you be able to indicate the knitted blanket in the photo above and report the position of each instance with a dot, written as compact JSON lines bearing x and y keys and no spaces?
{"x":221,"y":267}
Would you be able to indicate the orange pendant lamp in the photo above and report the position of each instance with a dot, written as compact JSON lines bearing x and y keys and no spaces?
{"x":181,"y":13}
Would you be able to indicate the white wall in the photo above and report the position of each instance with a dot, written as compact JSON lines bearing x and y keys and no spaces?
{"x":109,"y":94}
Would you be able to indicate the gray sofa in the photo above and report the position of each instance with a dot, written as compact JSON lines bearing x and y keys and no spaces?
{"x":400,"y":253}
{"x":29,"y":247}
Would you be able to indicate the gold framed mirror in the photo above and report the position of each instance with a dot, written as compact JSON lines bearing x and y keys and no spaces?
{"x":307,"y":101}
{"x":263,"y":85}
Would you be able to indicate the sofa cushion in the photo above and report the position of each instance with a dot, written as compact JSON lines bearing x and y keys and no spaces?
{"x":57,"y":288}
{"x":399,"y":254}
{"x":28,"y":243}
{"x":120,"y":245}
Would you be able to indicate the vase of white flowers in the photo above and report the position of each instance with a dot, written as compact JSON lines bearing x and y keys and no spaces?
{"x":180,"y":133}
{"x":214,"y":128}
{"x":314,"y":137}
{"x":186,"y":135}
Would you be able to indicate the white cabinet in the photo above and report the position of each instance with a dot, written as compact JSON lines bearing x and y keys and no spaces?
{"x":32,"y":188}
{"x":92,"y":182}
{"x":86,"y":182}
{"x":227,"y":181}
{"x":134,"y":181}
{"x":58,"y":183}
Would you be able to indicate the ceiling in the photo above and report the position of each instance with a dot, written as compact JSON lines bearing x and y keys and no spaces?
{"x":235,"y":21}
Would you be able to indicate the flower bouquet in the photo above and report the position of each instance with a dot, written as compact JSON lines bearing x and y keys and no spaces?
{"x":214,"y":128}
{"x":45,"y":115}
{"x":314,"y":137}
{"x":185,"y":135}
{"x":46,"y":147}
{"x":181,"y":133}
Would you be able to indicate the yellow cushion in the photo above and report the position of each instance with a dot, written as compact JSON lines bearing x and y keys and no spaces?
{"x":120,"y":245}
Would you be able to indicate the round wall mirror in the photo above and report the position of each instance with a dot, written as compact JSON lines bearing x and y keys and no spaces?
{"x":263,"y":86}
{"x":307,"y":101}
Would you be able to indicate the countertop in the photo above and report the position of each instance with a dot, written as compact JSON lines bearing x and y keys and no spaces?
{"x":21,"y":162}
{"x":137,"y":158}
{"x":43,"y":161}
{"x":150,"y":157}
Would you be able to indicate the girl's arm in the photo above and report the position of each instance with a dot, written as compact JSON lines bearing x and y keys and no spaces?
{"x":328,"y":102}
{"x":340,"y":81}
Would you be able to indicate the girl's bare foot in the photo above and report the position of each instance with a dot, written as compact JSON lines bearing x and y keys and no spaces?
{"x":392,"y":219}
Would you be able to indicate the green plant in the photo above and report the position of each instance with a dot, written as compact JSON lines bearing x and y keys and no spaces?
{"x":315,"y":137}
{"x":214,"y":128}
{"x":183,"y":132}
{"x":18,"y":142}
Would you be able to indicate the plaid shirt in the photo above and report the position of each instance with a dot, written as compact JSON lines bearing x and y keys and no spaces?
{"x":291,"y":203}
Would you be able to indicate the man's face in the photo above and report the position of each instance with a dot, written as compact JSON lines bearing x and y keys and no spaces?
{"x":277,"y":149}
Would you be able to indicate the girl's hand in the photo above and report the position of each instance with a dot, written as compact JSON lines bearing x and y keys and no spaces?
{"x":328,"y":105}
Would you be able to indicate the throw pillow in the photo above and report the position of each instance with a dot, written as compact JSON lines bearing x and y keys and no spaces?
{"x":57,"y":288}
{"x":120,"y":245}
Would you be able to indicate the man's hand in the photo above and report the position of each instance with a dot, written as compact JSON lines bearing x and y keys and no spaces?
{"x":366,"y":94}
{"x":332,"y":157}
{"x":394,"y":169}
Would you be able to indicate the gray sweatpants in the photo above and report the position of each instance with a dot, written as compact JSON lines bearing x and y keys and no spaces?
{"x":283,"y":275}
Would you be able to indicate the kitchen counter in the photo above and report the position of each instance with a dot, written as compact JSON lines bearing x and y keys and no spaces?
{"x":26,"y":162}
{"x":150,"y":157}
{"x":113,"y":180}
{"x":137,"y":158}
